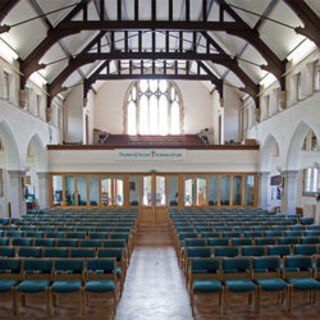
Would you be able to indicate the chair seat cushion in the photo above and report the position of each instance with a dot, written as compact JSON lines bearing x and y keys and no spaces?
{"x":7,"y":284}
{"x":99,"y":285}
{"x":304,"y":283}
{"x":33,"y":286}
{"x":240,"y":285}
{"x":272,"y":284}
{"x":207,"y":285}
{"x":66,"y":286}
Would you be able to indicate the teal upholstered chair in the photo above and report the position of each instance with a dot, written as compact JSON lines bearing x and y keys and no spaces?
{"x":226,"y":251}
{"x":204,"y":278}
{"x":281,"y":251}
{"x":253,"y":234}
{"x":241,"y":242}
{"x":75,"y":235}
{"x":265,"y":241}
{"x":82,"y":253}
{"x":218,"y":242}
{"x":253,"y":251}
{"x":266,"y":273}
{"x":273,"y":234}
{"x":44,"y":242}
{"x":288,"y":240}
{"x":29,"y":252}
{"x":310,"y":240}
{"x":14,"y":234}
{"x":56,"y":252}
{"x":90,"y":243}
{"x":98,"y":235}
{"x":37,"y":274}
{"x":210,"y":235}
{"x":306,"y":221}
{"x":297,"y":271}
{"x":305,"y":250}
{"x":4,"y":242}
{"x":22,"y":242}
{"x":198,"y":242}
{"x":236,"y":274}
{"x":120,"y":255}
{"x":67,"y":243}
{"x":101,"y":278}
{"x":103,"y":229}
{"x":68,"y":279}
{"x":312,"y":233}
{"x":34,"y":234}
{"x":56,"y":235}
{"x":195,"y":252}
{"x":7,"y":252}
{"x":10,"y":275}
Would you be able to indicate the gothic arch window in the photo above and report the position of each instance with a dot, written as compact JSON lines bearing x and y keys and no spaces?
{"x":153,"y":107}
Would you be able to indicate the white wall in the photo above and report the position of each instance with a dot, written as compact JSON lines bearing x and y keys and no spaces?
{"x":231,"y":114}
{"x":196,"y":161}
{"x":198,"y":110}
{"x":109,"y":103}
{"x":73,"y":116}
{"x":20,"y":126}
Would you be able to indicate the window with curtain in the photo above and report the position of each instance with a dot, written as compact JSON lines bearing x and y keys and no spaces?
{"x":153,"y":108}
{"x":311,"y":181}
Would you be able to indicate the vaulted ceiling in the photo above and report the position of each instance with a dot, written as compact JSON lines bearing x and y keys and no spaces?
{"x":236,"y":42}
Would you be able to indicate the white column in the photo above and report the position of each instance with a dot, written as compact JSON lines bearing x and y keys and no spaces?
{"x":289,"y":196}
{"x":17,"y":203}
{"x":264,"y":202}
{"x":43,"y":191}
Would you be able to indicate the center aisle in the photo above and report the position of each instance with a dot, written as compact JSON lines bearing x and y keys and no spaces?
{"x":155,"y":287}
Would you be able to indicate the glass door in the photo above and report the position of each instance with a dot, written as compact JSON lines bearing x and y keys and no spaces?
{"x":154,"y":199}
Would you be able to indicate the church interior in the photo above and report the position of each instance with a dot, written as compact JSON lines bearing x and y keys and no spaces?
{"x":160,"y":159}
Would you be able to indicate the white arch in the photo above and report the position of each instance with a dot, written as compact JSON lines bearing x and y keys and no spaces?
{"x":294,"y":149}
{"x":266,"y":153}
{"x":10,"y":147}
{"x":40,"y":153}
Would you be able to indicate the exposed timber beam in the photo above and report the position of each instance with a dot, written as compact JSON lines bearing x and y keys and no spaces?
{"x":31,"y":63}
{"x":5,"y":7}
{"x":148,"y":25}
{"x":310,"y":19}
{"x":56,"y":85}
{"x":275,"y":65}
{"x":250,"y":86}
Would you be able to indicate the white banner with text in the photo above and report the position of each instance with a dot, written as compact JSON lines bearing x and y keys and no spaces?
{"x":150,"y":154}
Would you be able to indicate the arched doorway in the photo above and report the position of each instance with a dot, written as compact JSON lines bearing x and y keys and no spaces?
{"x":36,"y":178}
{"x":11,"y":192}
{"x":299,"y":141}
{"x":268,"y":161}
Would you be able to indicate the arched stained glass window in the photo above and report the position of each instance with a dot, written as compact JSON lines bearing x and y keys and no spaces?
{"x":153,"y":107}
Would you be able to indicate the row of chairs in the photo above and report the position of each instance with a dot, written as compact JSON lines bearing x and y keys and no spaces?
{"x":120,"y":254}
{"x":252,"y":276}
{"x":198,"y":241}
{"x":120,"y":243}
{"x":264,"y":228}
{"x":68,"y":235}
{"x":53,"y":228}
{"x":247,"y":251}
{"x":55,"y":278}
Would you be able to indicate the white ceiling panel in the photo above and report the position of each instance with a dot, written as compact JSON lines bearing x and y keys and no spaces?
{"x":257,"y":6}
{"x":48,"y":6}
{"x":23,"y":38}
{"x":279,"y":38}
